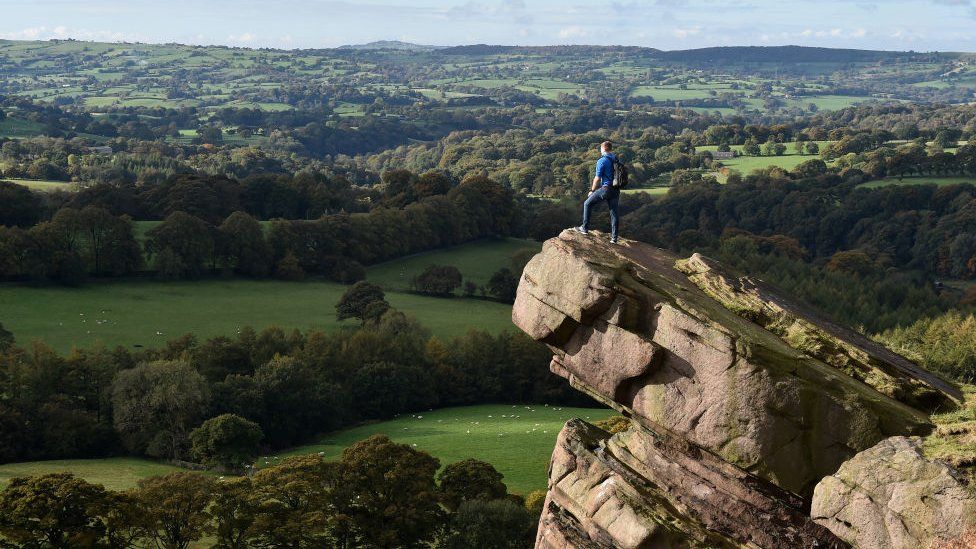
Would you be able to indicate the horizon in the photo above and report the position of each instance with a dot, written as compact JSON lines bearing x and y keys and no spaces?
{"x":445,"y":46}
{"x":943,"y":25}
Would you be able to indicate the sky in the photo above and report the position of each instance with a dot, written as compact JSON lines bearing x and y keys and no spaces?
{"x":920,"y":25}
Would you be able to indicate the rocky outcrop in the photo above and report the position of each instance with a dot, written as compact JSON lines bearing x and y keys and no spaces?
{"x":741,"y":401}
{"x":892,"y":497}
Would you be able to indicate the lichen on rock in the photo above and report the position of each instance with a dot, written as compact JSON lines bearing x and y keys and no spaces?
{"x":893,"y":497}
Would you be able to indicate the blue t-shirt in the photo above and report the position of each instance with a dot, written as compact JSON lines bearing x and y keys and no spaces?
{"x":604,"y":169}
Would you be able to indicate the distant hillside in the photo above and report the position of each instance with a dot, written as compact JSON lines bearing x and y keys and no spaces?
{"x":793,"y":54}
{"x":390,"y":45}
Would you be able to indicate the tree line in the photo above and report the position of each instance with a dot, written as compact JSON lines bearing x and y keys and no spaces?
{"x":378,"y":494}
{"x":924,"y":228}
{"x":284,"y":388}
{"x":420,"y":213}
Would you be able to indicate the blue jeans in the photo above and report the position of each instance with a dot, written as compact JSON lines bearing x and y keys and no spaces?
{"x":612,"y":196}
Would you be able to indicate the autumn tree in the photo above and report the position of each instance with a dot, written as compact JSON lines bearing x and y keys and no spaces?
{"x":175,"y":508}
{"x":391,"y":492}
{"x":438,"y":280}
{"x":489,"y":524}
{"x":354,"y":301}
{"x":53,"y":510}
{"x":469,"y":479}
{"x":156,"y":405}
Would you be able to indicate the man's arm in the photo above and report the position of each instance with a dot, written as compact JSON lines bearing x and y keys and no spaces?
{"x":596,"y":184}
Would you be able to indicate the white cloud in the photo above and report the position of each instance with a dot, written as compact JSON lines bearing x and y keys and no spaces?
{"x":245,"y":38}
{"x":31,"y":33}
{"x":574,"y":31}
{"x":62,"y":32}
{"x":685,"y":33}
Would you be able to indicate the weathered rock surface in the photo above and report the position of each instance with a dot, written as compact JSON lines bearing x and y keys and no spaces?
{"x":892,"y":497}
{"x":741,"y":401}
{"x":804,"y":329}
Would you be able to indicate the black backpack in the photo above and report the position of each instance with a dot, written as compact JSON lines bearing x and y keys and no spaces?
{"x":619,"y":174}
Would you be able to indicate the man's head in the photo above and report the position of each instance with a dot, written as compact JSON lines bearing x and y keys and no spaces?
{"x":606,"y":147}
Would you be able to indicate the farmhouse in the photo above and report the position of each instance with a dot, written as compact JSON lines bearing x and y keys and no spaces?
{"x":723,"y":155}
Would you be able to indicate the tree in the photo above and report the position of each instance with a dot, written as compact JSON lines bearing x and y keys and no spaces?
{"x":16,"y":437}
{"x":490,"y":524}
{"x":296,"y":401}
{"x":181,"y":245}
{"x":431,"y":183}
{"x":227,"y":441}
{"x":470,"y":479}
{"x":535,"y":501}
{"x":773,"y":148}
{"x":53,"y":510}
{"x":813,"y":148}
{"x":947,"y":138}
{"x":295,"y":505}
{"x":751,"y":147}
{"x":110,"y":243}
{"x":242,"y":245}
{"x":382,"y":390}
{"x":124,"y":520}
{"x":175,"y":508}
{"x":6,"y":339}
{"x":439,"y":280}
{"x":156,"y":404}
{"x":503,"y":285}
{"x":210,"y":198}
{"x":354,"y":301}
{"x":391,"y":493}
{"x":810,"y":168}
{"x":289,"y":268}
{"x":398,"y":187}
{"x":234,"y":511}
{"x":19,"y":207}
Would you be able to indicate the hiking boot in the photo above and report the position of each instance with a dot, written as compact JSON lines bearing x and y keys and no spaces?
{"x":613,"y":240}
{"x":580,"y":230}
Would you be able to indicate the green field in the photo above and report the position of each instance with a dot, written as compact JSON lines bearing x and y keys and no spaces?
{"x":40,"y":185}
{"x":150,"y":313}
{"x":746,"y":164}
{"x":18,"y":127}
{"x":477,"y":261}
{"x":117,"y":473}
{"x":519,"y":447}
{"x":917,"y":181}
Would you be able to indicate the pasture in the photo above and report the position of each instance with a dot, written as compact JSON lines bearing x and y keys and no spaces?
{"x":117,"y":473}
{"x":746,"y":164}
{"x":12,"y":127}
{"x":477,"y":261}
{"x":149,"y":313}
{"x":489,"y":433}
{"x":517,"y":440}
{"x":42,"y":185}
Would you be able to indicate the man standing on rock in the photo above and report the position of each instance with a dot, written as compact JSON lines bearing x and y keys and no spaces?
{"x":603,"y":189}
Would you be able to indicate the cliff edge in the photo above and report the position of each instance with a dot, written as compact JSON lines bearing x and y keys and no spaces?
{"x":752,"y":418}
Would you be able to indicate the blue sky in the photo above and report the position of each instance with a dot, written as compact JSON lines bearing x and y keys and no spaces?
{"x":921,"y":25}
